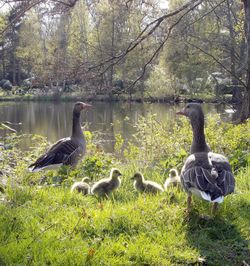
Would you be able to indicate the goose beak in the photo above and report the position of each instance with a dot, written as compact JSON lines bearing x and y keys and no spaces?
{"x":132,"y":178}
{"x":86,"y":106}
{"x":181,"y":112}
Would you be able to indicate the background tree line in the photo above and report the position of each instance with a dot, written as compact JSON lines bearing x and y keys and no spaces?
{"x":137,"y":46}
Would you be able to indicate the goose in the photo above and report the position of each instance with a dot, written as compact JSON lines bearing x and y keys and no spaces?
{"x":66,"y":151}
{"x":82,"y":186}
{"x":142,"y":185}
{"x":173,"y":179}
{"x":105,"y":186}
{"x":204,"y":173}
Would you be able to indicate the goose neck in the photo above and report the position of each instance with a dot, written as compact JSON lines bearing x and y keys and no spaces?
{"x":76,"y":126}
{"x":199,"y":142}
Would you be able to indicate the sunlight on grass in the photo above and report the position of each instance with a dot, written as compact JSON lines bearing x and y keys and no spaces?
{"x":47,"y":225}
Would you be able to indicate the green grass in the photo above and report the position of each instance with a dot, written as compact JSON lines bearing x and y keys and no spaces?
{"x":51,"y":226}
{"x":46,"y":225}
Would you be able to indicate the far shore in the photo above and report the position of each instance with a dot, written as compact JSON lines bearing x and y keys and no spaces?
{"x":116,"y":98}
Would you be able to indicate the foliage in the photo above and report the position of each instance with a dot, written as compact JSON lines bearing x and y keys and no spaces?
{"x":46,"y":224}
{"x":70,"y":47}
{"x":158,"y":148}
{"x":159,"y":83}
{"x":30,"y":51}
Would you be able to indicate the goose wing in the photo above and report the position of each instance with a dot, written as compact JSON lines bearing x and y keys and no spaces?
{"x":65,"y":151}
{"x":153,"y":187}
{"x":208,"y":173}
{"x":101,"y":187}
{"x":225,"y":178}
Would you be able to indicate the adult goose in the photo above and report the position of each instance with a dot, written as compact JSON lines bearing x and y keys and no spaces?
{"x":66,"y":151}
{"x":204,"y":173}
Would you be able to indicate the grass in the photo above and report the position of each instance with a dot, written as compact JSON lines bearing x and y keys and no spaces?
{"x":50,"y":226}
{"x":47,"y":225}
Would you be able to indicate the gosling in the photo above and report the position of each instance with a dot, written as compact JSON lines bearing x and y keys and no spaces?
{"x":173,"y":179}
{"x":105,"y":186}
{"x":82,"y":186}
{"x":140,"y":184}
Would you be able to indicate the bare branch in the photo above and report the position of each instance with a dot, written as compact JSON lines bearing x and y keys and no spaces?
{"x":218,"y":62}
{"x":22,"y":13}
{"x":145,"y":33}
{"x":162,"y":44}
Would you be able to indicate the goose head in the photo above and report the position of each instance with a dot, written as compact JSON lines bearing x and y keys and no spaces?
{"x":137,"y":177}
{"x":86,"y":179}
{"x":192,"y":110}
{"x":79,"y":106}
{"x":115,"y":173}
{"x":173,"y":173}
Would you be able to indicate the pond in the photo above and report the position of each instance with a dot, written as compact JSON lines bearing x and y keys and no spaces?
{"x":53,"y":119}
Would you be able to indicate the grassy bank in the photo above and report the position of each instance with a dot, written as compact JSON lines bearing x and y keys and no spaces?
{"x":47,"y":225}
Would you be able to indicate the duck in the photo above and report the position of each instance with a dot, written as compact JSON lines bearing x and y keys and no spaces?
{"x":82,"y":186}
{"x":105,"y":186}
{"x":142,"y":185}
{"x":204,"y":173}
{"x":66,"y":151}
{"x":173,"y":179}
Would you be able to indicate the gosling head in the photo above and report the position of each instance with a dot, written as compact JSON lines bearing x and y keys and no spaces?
{"x":115,"y":173}
{"x":173,"y":173}
{"x":86,"y":179}
{"x":137,"y":177}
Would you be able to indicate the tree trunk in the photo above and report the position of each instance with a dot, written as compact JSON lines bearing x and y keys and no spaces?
{"x":14,"y":70}
{"x":112,"y":46}
{"x":232,"y":43}
{"x":18,"y":73}
{"x":3,"y":62}
{"x":245,"y":110}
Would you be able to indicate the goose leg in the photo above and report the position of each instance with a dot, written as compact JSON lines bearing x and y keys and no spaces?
{"x":214,"y":208}
{"x":189,"y":202}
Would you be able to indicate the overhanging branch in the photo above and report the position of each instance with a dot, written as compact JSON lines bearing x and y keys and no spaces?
{"x":218,"y":62}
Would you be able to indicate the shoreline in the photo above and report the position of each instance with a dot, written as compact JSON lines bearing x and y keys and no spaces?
{"x":114,"y":98}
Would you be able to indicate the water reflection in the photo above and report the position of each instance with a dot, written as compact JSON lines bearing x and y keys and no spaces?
{"x":53,"y":120}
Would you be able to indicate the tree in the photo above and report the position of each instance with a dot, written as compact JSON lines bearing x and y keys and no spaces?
{"x":245,"y":110}
{"x":101,"y":41}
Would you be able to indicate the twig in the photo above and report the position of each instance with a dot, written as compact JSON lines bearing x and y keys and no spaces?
{"x":162,"y":44}
{"x":141,"y":37}
{"x":22,"y":13}
{"x":218,"y":62}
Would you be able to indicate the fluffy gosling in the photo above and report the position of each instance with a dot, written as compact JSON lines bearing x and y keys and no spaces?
{"x":142,"y":185}
{"x":173,"y":179}
{"x":105,"y":186}
{"x":82,"y":186}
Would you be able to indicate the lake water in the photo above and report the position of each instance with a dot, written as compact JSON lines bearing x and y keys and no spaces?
{"x":54,"y":120}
